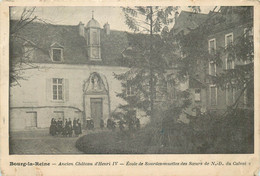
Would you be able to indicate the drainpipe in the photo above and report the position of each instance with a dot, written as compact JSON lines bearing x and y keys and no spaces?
{"x":84,"y":110}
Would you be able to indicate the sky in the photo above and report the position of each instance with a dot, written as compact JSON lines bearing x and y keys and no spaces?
{"x":73,"y":15}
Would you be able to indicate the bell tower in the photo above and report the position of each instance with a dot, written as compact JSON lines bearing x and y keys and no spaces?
{"x":93,"y":39}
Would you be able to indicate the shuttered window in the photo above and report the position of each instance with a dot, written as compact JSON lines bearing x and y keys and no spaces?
{"x":57,"y":89}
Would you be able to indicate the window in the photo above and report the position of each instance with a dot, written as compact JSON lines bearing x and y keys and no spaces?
{"x":230,"y":64}
{"x":212,"y":46}
{"x":197,"y":95}
{"x":31,"y":119}
{"x":248,"y":34}
{"x":28,"y":52}
{"x":129,"y":89}
{"x":213,"y":95}
{"x":228,"y":39}
{"x":95,"y":38}
{"x":212,"y":50}
{"x":57,"y":54}
{"x":229,"y":61}
{"x":57,"y":88}
{"x":230,"y":96}
{"x":212,"y":68}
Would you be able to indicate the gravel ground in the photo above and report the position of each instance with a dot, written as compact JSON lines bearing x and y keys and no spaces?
{"x":40,"y":142}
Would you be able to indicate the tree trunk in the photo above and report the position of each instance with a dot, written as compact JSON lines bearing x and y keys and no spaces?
{"x":150,"y":65}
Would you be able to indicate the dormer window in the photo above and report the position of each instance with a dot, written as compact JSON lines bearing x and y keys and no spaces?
{"x":28,"y":52}
{"x":56,"y":55}
{"x":56,"y":52}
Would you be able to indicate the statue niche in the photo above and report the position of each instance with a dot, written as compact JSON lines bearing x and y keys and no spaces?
{"x":95,"y":84}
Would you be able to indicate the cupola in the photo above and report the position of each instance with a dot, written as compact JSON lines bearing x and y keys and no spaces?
{"x":93,"y":24}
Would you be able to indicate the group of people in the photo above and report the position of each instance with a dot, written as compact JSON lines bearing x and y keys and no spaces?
{"x":110,"y":124}
{"x":65,"y":128}
{"x":131,"y":123}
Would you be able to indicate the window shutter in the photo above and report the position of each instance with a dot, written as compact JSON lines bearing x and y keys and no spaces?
{"x":67,"y":89}
{"x":48,"y":89}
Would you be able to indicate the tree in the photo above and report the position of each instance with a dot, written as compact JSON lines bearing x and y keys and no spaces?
{"x":21,"y":49}
{"x":147,"y":56}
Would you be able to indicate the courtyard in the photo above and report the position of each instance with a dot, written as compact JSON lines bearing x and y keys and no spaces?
{"x":39,"y":141}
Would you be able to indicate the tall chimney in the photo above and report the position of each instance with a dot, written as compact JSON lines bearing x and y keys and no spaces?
{"x":176,"y":16}
{"x":107,"y":28}
{"x":81,"y":29}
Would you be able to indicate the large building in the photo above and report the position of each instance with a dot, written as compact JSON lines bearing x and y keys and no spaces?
{"x":238,"y":23}
{"x":70,"y":69}
{"x":71,"y":73}
{"x":215,"y":31}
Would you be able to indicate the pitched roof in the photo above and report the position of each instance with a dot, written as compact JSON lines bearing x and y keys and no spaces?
{"x":195,"y":83}
{"x":67,"y":36}
{"x":187,"y":21}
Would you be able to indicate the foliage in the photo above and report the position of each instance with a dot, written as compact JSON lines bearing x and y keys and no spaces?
{"x":21,"y":49}
{"x":196,"y":57}
{"x":209,"y":134}
{"x":147,"y":56}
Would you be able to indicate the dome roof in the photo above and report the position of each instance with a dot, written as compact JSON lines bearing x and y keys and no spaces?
{"x":93,"y":24}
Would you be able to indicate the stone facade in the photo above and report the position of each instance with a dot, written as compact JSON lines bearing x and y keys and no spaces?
{"x":35,"y":95}
{"x":226,"y":97}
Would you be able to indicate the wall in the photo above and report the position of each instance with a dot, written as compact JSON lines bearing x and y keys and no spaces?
{"x":19,"y":116}
{"x":34,"y":93}
{"x":237,"y":31}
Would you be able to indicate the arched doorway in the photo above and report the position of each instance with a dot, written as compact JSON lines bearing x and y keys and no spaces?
{"x":96,"y":99}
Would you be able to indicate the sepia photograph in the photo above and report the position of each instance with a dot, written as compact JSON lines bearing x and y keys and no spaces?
{"x":131,"y":80}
